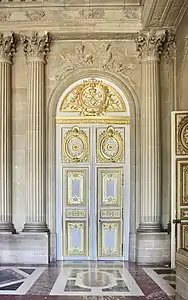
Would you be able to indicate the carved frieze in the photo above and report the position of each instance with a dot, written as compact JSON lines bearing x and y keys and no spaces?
{"x":36,"y":45}
{"x":35,"y":15}
{"x":132,"y":13}
{"x":7,"y":46}
{"x":150,"y":43}
{"x":103,"y":58}
{"x":4,"y":17}
{"x":92,"y":13}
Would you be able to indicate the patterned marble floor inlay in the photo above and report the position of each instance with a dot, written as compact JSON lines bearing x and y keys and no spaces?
{"x":86,"y":281}
{"x":164,"y":277}
{"x":15,"y":280}
{"x":95,"y":281}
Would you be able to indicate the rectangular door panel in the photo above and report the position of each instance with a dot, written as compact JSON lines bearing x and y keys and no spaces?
{"x":75,"y":213}
{"x":182,"y":203}
{"x":110,"y":208}
{"x":110,"y":239}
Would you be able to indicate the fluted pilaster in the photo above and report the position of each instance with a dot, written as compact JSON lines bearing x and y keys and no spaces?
{"x":35,"y":48}
{"x":7,"y":47}
{"x":150,"y":46}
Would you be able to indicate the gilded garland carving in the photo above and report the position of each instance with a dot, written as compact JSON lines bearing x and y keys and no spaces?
{"x":150,"y":43}
{"x":109,"y":146}
{"x":7,"y":46}
{"x":102,"y":58}
{"x":76,"y":147}
{"x":36,"y":45}
{"x":182,"y":136}
{"x":93,"y":98}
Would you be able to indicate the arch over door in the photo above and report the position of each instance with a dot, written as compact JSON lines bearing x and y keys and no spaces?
{"x":93,"y":173}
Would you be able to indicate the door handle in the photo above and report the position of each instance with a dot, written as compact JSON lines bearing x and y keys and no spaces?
{"x":176,"y":221}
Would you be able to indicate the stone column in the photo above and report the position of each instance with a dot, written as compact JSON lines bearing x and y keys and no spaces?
{"x":150,"y":46}
{"x":7,"y":47}
{"x":36,"y":48}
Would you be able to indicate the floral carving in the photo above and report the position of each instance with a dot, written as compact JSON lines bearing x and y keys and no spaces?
{"x":4,"y":17}
{"x":103,"y":58}
{"x":132,"y":12}
{"x":170,"y":46}
{"x":182,"y":136}
{"x":92,"y":13}
{"x":35,"y":15}
{"x":36,"y":46}
{"x":7,"y":46}
{"x":151,"y":43}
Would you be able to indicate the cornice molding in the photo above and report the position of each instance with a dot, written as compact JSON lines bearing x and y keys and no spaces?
{"x":69,"y":3}
{"x":163,"y":13}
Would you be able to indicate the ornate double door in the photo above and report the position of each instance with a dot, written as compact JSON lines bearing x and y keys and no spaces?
{"x":93,"y":170}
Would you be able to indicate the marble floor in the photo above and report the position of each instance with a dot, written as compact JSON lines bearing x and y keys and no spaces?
{"x":86,"y":281}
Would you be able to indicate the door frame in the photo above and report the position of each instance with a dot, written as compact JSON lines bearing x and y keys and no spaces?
{"x":126,"y":202}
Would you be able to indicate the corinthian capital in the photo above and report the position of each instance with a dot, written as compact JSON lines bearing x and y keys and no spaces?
{"x":150,"y":43}
{"x":170,"y":46}
{"x":36,"y":46}
{"x":7,"y":46}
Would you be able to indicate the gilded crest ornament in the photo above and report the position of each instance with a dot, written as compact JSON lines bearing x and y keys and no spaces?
{"x":93,"y":98}
{"x":182,"y":139}
{"x":110,"y":146}
{"x":75,"y":145}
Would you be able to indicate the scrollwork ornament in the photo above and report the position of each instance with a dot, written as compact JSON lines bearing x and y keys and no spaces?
{"x":7,"y":46}
{"x":76,"y":145}
{"x":36,"y":46}
{"x":150,"y":43}
{"x":110,"y":146}
{"x":182,"y":136}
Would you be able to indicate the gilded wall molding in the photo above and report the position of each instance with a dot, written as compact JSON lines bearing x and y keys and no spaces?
{"x":150,"y":43}
{"x":7,"y":46}
{"x":36,"y":45}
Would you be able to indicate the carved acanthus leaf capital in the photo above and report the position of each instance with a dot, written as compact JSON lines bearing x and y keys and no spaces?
{"x":170,"y":46}
{"x":7,"y":46}
{"x":150,"y":43}
{"x":36,"y":46}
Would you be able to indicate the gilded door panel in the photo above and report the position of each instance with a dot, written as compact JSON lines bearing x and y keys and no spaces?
{"x":110,"y":208}
{"x":76,"y":238}
{"x":182,"y":202}
{"x":75,"y":212}
{"x":75,"y":144}
{"x":110,"y":144}
{"x":110,"y":239}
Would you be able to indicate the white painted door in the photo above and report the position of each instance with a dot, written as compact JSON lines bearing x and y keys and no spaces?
{"x":92,"y":173}
{"x":179,"y":183}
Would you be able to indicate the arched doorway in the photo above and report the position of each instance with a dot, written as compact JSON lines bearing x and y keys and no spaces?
{"x":92,"y":172}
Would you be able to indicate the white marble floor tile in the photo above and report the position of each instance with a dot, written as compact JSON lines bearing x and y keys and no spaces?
{"x":162,"y":283}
